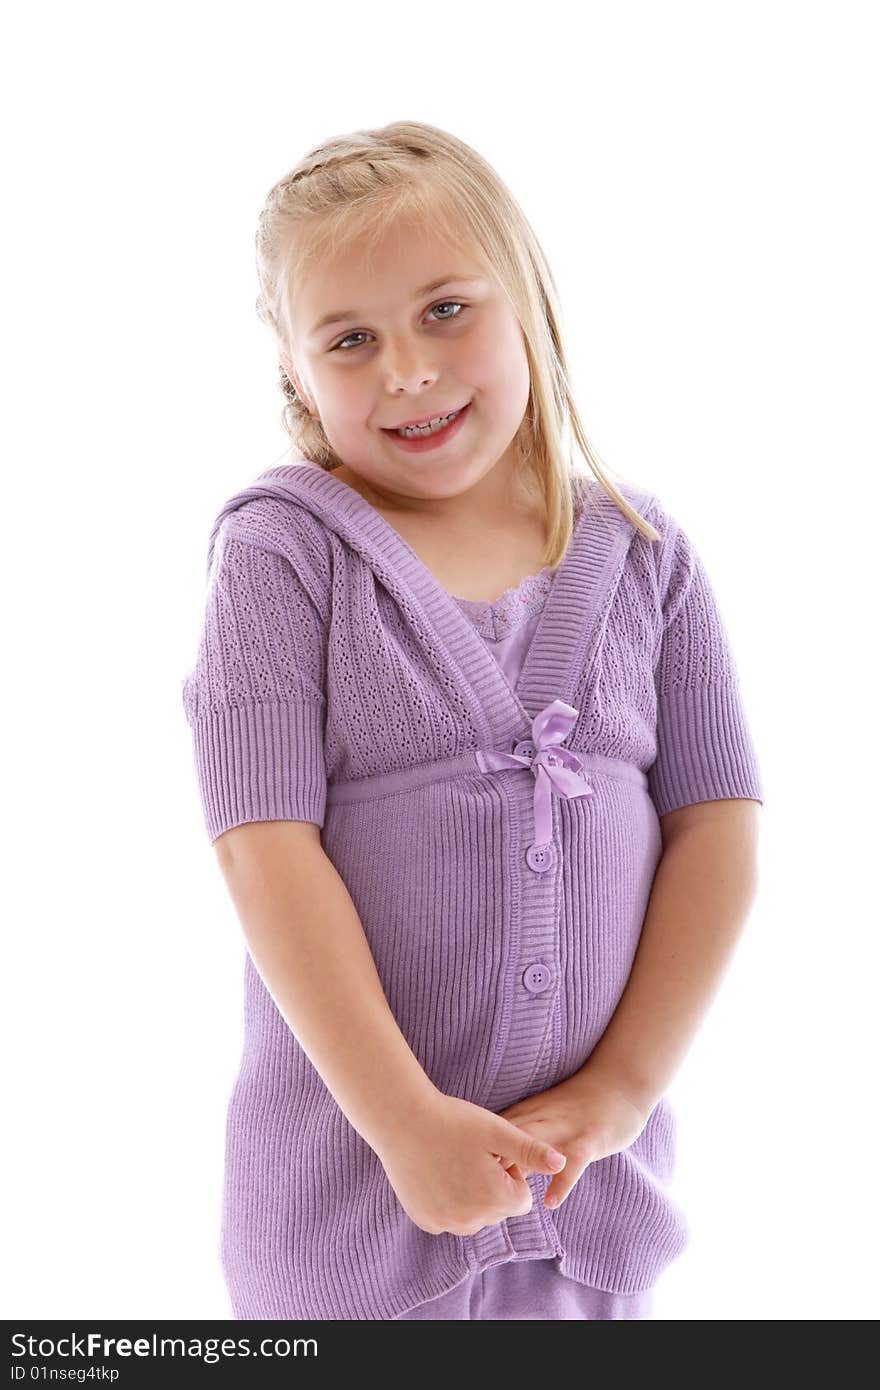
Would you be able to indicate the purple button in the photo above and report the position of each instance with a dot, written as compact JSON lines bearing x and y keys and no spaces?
{"x":525,"y":748}
{"x":540,"y":858}
{"x":537,"y":977}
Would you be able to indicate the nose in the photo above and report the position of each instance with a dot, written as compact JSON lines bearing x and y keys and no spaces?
{"x":407,"y":368}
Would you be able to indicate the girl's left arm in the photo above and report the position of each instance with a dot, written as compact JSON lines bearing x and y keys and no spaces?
{"x":703,"y":890}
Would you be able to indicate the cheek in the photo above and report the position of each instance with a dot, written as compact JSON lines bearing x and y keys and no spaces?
{"x":497,"y":356}
{"x":501,"y":374}
{"x":345,"y":402}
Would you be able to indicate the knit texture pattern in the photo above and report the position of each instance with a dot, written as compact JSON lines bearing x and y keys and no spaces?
{"x":336,"y":682}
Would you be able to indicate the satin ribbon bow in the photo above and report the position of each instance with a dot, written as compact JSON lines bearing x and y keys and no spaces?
{"x":557,"y":771}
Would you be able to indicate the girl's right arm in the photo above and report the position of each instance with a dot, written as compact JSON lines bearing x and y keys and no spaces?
{"x":307,"y":941}
{"x":440,"y":1153}
{"x":256,"y":701}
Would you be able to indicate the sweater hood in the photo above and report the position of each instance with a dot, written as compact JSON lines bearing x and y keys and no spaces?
{"x":285,"y":483}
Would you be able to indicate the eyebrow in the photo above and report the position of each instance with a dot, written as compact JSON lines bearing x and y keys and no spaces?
{"x":342,"y":315}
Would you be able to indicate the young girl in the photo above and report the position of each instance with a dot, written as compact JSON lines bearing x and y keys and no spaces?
{"x":471,"y":749}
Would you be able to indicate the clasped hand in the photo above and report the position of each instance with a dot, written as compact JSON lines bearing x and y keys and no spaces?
{"x":464,"y":1167}
{"x":586,"y":1117}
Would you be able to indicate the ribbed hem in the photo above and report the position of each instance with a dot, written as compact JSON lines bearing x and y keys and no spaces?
{"x":704,"y":749}
{"x":261,"y":761}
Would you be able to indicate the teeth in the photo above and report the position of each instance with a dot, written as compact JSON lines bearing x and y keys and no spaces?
{"x":430,"y":427}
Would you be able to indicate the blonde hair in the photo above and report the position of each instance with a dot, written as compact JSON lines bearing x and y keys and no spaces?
{"x":349,"y":190}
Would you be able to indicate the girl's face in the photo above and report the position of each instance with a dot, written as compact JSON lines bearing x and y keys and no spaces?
{"x":399,"y":350}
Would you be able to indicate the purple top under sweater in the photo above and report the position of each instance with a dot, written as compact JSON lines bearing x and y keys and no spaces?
{"x":508,"y":625}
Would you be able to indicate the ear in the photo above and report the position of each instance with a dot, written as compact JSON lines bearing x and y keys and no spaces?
{"x":291,"y":373}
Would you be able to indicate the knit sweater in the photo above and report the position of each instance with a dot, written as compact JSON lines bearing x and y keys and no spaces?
{"x":499,"y":843}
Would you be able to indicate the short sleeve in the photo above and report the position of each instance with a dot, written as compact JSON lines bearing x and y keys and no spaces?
{"x":255,"y":697}
{"x":705,"y":750}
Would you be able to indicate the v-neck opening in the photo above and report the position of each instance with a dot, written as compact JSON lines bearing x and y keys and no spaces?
{"x":501,"y":713}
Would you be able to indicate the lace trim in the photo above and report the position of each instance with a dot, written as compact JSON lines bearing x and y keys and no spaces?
{"x":515,"y":606}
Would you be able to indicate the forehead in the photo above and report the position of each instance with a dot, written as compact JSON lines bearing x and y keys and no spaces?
{"x":392,"y":265}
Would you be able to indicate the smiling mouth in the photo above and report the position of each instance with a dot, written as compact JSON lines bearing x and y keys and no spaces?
{"x":427,"y":425}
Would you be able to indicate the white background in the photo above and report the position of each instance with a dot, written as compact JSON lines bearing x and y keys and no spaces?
{"x":703,"y":178}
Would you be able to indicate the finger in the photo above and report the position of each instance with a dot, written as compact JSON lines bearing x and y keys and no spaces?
{"x":514,"y":1171}
{"x":534,"y":1155}
{"x":511,"y":1167}
{"x":560,"y":1187}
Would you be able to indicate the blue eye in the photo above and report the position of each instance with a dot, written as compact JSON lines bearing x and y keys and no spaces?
{"x":444,"y":303}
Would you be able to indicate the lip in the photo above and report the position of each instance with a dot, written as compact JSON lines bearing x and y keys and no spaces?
{"x":435,"y":414}
{"x":424,"y":443}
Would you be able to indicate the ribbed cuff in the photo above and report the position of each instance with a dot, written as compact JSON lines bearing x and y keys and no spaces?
{"x":704,"y":749}
{"x":261,"y":761}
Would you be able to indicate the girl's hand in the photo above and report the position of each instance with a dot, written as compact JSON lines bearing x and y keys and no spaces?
{"x":587,"y":1116}
{"x":461,"y":1168}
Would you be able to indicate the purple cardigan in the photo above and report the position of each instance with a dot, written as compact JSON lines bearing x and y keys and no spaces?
{"x":499,"y":845}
